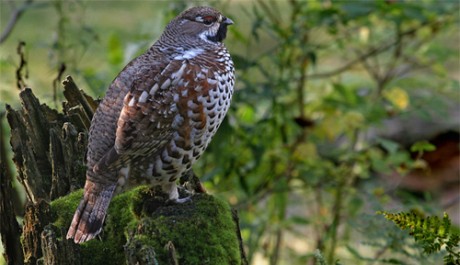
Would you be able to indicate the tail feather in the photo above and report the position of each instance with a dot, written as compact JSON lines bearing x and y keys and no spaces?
{"x":90,"y":214}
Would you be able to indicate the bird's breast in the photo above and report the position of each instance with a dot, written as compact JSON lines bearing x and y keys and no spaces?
{"x":202,"y":96}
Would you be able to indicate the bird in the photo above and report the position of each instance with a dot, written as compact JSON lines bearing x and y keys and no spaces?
{"x":158,"y":115}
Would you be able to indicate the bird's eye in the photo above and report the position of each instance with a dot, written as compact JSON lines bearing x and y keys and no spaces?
{"x":208,"y":20}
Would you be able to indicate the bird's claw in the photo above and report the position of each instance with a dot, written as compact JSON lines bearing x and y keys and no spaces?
{"x":180,"y":200}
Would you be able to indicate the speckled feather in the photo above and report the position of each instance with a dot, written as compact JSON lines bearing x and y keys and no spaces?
{"x":158,"y":116}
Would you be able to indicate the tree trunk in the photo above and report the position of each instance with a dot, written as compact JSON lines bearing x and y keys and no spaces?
{"x":49,"y":153}
{"x":9,"y":227}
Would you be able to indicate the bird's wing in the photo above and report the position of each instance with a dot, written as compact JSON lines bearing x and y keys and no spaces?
{"x":148,"y":117}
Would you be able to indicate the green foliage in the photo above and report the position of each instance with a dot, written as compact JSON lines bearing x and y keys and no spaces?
{"x":422,"y":146}
{"x":314,"y":79}
{"x":431,"y":232}
{"x":320,"y":260}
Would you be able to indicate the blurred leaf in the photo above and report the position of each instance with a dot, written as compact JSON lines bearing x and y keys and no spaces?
{"x":312,"y":57}
{"x":245,"y":113}
{"x":420,"y":164}
{"x":353,"y":120}
{"x":330,"y":128}
{"x":422,"y":146}
{"x":242,"y":63}
{"x":115,"y":49}
{"x":398,"y":97}
{"x":343,"y":96}
{"x":400,"y":161}
{"x":304,"y":151}
{"x":439,"y":69}
{"x":298,"y":220}
{"x":355,"y":9}
{"x":390,"y":146}
{"x":364,"y":34}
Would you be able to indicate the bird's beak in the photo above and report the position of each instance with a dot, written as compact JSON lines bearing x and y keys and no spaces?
{"x":227,"y":21}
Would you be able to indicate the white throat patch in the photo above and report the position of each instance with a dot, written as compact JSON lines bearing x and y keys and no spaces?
{"x":204,"y":36}
{"x":189,"y":54}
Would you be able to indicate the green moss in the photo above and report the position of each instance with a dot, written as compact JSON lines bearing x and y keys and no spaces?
{"x":109,"y":250}
{"x":64,"y":208}
{"x":202,"y":231}
{"x":94,"y":251}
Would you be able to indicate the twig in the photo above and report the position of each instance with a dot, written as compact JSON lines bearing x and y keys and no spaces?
{"x":14,"y":19}
{"x":20,"y":83}
{"x":57,"y":82}
{"x":302,"y":81}
{"x":264,"y":190}
{"x":364,"y":56}
{"x":272,"y":17}
{"x":371,"y":52}
{"x":244,"y":259}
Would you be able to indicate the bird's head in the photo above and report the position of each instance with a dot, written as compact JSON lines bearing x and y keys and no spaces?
{"x":204,"y":23}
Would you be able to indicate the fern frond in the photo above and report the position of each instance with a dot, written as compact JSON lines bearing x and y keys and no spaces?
{"x":431,"y":232}
{"x":320,"y":260}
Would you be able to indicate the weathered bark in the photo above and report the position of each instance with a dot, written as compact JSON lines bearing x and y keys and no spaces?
{"x":48,"y":151}
{"x":37,"y":216}
{"x":138,"y":253}
{"x":48,"y":148}
{"x":57,"y":251}
{"x":9,"y":227}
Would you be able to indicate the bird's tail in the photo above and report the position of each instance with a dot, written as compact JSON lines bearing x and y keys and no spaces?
{"x":90,"y":214}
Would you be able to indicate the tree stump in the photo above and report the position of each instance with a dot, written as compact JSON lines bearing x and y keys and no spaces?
{"x":141,"y":228}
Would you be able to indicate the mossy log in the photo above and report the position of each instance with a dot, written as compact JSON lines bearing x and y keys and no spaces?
{"x":141,"y":228}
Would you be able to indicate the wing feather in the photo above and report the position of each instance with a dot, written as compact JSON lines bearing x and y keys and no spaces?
{"x":145,"y":123}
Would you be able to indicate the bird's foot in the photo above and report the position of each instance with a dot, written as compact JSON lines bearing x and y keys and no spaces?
{"x":184,"y":191}
{"x":190,"y":182}
{"x":174,"y":193}
{"x":180,"y":200}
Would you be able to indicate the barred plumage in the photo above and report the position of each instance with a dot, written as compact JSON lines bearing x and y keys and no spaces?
{"x":158,"y":116}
